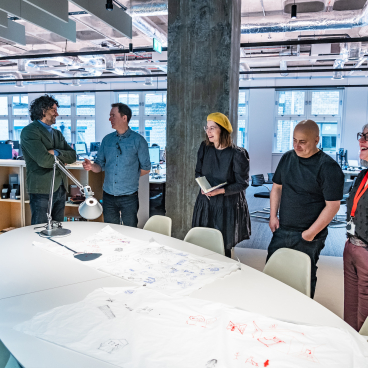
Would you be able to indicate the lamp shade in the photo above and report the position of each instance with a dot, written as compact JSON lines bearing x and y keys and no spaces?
{"x":90,"y":209}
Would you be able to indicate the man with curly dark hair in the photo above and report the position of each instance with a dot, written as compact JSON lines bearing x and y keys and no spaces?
{"x":40,"y":142}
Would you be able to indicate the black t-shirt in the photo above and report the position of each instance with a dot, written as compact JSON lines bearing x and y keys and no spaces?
{"x":306,"y":184}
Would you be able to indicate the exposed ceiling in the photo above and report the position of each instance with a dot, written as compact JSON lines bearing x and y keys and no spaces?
{"x":262,"y":21}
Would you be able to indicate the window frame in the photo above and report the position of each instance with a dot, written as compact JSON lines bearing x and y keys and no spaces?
{"x":308,"y":115}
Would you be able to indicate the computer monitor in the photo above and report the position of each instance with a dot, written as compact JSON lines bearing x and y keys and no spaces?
{"x":16,"y":144}
{"x":6,"y":151}
{"x":95,"y":146}
{"x":81,"y":148}
{"x":154,"y":153}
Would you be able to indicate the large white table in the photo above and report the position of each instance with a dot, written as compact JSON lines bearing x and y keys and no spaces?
{"x":33,"y":280}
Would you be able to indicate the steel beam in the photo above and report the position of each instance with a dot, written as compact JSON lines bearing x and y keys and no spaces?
{"x":117,"y":19}
{"x":58,"y":9}
{"x":30,"y":13}
{"x":3,"y":19}
{"x":14,"y":32}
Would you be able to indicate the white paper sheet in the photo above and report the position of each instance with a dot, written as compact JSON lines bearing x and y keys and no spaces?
{"x":139,"y":327}
{"x":146,"y":263}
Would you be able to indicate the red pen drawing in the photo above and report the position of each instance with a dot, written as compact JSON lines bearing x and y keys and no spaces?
{"x":252,"y":362}
{"x":237,"y":356}
{"x":266,"y":363}
{"x":236,"y":326}
{"x":270,"y":340}
{"x":308,"y":353}
{"x":200,"y":321}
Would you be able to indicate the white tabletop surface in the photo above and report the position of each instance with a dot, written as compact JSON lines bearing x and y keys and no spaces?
{"x":33,"y":281}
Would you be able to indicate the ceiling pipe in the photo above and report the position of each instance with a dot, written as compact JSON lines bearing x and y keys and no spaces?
{"x":283,"y":66}
{"x":149,"y":30}
{"x":320,"y":21}
{"x":154,"y":8}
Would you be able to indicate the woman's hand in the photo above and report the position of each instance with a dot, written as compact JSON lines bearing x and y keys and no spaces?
{"x":216,"y":192}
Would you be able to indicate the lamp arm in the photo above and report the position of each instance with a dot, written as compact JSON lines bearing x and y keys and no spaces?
{"x":68,"y":173}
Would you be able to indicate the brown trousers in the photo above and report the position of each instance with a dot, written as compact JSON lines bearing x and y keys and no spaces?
{"x":355,"y":285}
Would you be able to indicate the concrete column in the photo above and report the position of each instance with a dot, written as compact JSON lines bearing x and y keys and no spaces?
{"x":203,"y":77}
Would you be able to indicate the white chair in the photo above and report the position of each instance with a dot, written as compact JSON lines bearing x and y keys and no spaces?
{"x":364,"y":329}
{"x":206,"y":238}
{"x":159,"y":224}
{"x":292,"y":268}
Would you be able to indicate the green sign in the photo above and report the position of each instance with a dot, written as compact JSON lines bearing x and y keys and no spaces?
{"x":157,"y":45}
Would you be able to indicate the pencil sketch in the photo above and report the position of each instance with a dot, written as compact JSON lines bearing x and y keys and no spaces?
{"x":211,"y":363}
{"x":113,"y":346}
{"x":105,"y":309}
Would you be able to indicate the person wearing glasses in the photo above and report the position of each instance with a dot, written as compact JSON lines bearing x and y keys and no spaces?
{"x":220,"y":161}
{"x":306,"y":193}
{"x":356,"y":246}
{"x":124,"y":157}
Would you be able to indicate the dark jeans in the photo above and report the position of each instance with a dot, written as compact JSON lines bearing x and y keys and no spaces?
{"x":39,"y":204}
{"x":125,"y":206}
{"x":283,"y":238}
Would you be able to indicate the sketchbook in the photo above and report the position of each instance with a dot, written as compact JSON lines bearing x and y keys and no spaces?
{"x":206,"y":186}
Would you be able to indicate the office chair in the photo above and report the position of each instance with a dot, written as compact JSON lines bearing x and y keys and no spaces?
{"x":206,"y":238}
{"x":291,"y":267}
{"x":337,"y":220}
{"x":159,"y":224}
{"x":364,"y":329}
{"x":259,"y":181}
{"x":7,"y":360}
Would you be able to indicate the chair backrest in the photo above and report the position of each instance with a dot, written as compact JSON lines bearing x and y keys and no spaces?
{"x":270,"y":177}
{"x":206,"y":238}
{"x":6,"y":359}
{"x":258,"y":180}
{"x":159,"y":224}
{"x":292,"y":268}
{"x":364,"y":329}
{"x":347,"y":186}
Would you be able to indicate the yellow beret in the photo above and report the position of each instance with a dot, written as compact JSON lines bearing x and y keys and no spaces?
{"x":222,"y":120}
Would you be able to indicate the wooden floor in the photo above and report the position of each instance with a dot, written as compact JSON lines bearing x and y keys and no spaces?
{"x":330,"y":280}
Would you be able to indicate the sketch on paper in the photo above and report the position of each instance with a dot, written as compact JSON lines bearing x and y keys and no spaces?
{"x":162,"y":329}
{"x":113,"y":346}
{"x":146,"y":263}
{"x":105,"y":309}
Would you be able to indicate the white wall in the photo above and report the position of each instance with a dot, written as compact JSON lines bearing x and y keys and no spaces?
{"x":261,"y":127}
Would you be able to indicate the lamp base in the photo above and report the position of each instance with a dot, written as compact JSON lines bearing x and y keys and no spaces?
{"x":58,"y":231}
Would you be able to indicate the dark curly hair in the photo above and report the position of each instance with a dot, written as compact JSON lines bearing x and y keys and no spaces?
{"x":40,"y":105}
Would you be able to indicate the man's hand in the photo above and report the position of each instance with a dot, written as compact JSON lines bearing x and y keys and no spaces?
{"x":216,"y":192}
{"x":87,"y":165}
{"x":274,"y":223}
{"x":51,"y":152}
{"x":307,"y":235}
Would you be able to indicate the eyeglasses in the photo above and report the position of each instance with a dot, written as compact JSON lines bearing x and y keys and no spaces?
{"x":119,"y":148}
{"x":364,"y":135}
{"x":209,"y":129}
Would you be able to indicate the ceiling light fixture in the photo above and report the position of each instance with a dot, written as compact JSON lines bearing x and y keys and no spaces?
{"x":109,"y":5}
{"x":293,"y":11}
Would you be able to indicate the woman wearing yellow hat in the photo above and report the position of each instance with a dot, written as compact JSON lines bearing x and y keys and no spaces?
{"x":220,"y":161}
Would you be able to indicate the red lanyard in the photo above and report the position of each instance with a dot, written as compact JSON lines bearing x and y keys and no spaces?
{"x":361,"y":190}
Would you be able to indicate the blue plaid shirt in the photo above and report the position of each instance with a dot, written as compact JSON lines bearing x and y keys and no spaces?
{"x":122,"y":157}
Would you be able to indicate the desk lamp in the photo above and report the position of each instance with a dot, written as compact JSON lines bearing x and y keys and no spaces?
{"x":90,"y":209}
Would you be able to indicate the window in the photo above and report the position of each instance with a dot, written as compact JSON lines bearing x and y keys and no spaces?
{"x":323,"y":106}
{"x":243,"y":118}
{"x":76,"y":118}
{"x":149,"y":115}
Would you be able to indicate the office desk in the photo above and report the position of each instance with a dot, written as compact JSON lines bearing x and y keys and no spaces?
{"x":33,"y":281}
{"x":351,"y":174}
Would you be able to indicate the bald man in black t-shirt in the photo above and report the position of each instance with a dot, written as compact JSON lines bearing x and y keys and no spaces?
{"x":307,"y":189}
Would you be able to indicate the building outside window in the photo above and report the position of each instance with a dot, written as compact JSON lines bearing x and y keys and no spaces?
{"x":76,"y":118}
{"x":149,"y":115}
{"x":322,"y":106}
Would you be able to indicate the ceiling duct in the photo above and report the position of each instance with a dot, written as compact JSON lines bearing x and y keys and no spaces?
{"x":106,"y":60}
{"x":320,"y":21}
{"x":245,"y":67}
{"x":154,"y":8}
{"x":340,"y":61}
{"x":283,"y":66}
{"x":149,"y":30}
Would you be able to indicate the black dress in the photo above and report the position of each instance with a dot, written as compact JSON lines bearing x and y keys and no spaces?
{"x":225,"y":212}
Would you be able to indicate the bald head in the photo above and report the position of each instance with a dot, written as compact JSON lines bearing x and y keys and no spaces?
{"x":308,"y":127}
{"x":306,"y":138}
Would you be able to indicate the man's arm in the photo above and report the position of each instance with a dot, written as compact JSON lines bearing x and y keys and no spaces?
{"x":88,"y":165}
{"x":324,"y":218}
{"x":144,"y":172}
{"x":275,"y":199}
